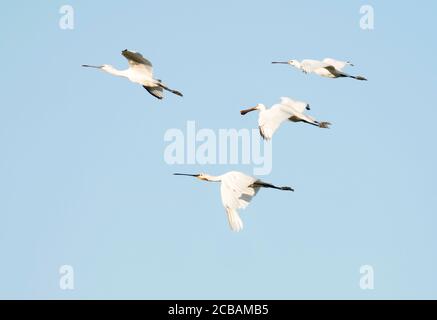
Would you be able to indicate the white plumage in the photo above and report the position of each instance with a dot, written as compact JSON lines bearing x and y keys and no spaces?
{"x":140,"y":71}
{"x":328,"y":67}
{"x":288,"y":109}
{"x":237,"y":190}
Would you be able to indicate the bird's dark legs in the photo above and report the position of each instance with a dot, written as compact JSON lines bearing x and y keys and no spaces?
{"x":359,"y":78}
{"x":324,"y":124}
{"x":262,"y":184}
{"x":171,"y":90}
{"x":344,"y":75}
{"x":311,"y":123}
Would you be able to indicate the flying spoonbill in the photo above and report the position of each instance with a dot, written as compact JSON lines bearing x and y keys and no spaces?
{"x":237,"y":190}
{"x":140,"y":71}
{"x":269,"y":120}
{"x":328,"y":68}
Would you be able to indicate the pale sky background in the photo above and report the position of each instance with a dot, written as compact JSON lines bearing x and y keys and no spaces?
{"x":83,"y":181}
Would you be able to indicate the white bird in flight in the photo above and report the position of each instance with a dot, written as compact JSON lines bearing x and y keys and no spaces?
{"x":269,"y":120}
{"x":328,"y":68}
{"x":237,"y":190}
{"x":140,"y":71}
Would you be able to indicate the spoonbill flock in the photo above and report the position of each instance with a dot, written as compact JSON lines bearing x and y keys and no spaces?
{"x":237,"y":189}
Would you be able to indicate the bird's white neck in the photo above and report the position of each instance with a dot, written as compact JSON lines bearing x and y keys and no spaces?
{"x":213,"y":178}
{"x":297,"y":64}
{"x":115,"y":72}
{"x":261,"y":107}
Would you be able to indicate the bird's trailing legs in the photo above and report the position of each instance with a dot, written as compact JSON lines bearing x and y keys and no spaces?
{"x":171,"y":90}
{"x":324,"y":124}
{"x":345,"y":75}
{"x":262,"y":184}
{"x":359,"y":78}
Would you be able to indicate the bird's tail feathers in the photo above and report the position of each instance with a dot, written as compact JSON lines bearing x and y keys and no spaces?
{"x":234,"y":220}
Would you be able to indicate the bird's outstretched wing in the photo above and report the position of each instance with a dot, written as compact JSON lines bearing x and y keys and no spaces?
{"x":298,"y":106}
{"x":309,"y":65}
{"x":236,"y":191}
{"x":296,"y":109}
{"x":137,"y":61}
{"x":157,"y":92}
{"x":339,"y":65}
{"x":270,"y":120}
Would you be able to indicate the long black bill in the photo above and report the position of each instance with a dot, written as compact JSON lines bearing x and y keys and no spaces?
{"x":88,"y":66}
{"x":185,"y":174}
{"x":281,"y":62}
{"x":243,"y":112}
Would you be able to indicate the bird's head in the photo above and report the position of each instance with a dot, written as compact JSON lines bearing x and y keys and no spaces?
{"x":106,"y":67}
{"x":294,"y":63}
{"x":202,"y":176}
{"x":259,"y":107}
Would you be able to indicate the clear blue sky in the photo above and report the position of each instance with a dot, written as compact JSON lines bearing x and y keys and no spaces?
{"x":82,"y":176}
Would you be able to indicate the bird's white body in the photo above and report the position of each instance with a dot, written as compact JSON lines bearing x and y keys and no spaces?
{"x":269,"y":120}
{"x":140,"y":71}
{"x":237,"y":190}
{"x":316,"y":67}
{"x":142,"y":78}
{"x":133,"y":74}
{"x":328,"y":67}
{"x":323,"y":68}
